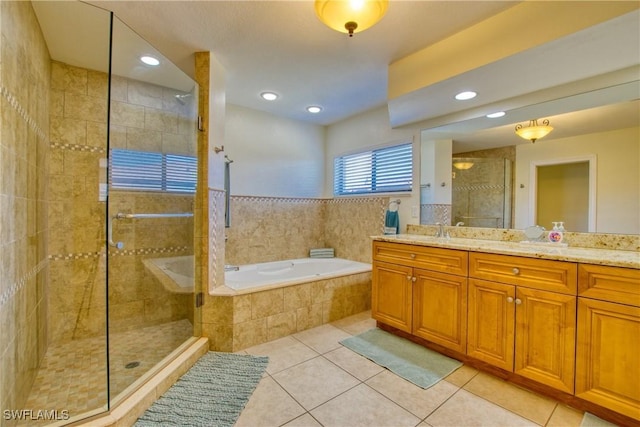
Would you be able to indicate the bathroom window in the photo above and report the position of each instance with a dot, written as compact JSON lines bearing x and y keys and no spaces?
{"x":384,"y":170}
{"x":141,"y":170}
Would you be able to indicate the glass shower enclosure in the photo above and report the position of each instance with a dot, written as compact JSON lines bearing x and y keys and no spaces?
{"x":481,"y":192}
{"x":122,"y":181}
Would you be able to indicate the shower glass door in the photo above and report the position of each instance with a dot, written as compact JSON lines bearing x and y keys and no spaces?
{"x":151,"y":177}
{"x":481,"y":192}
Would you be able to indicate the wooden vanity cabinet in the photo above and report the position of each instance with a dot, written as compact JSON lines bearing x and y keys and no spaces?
{"x":608,"y":339}
{"x":522,"y":316}
{"x":392,"y":294}
{"x":422,"y":291}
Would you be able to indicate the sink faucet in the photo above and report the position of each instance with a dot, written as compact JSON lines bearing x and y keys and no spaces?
{"x":458,"y":224}
{"x":441,"y":231}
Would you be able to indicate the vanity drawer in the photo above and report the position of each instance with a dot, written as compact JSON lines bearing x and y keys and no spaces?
{"x":435,"y":259}
{"x":548,"y":275}
{"x":614,"y":284}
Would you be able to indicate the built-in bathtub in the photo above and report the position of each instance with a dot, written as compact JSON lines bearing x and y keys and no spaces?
{"x":269,"y":275}
{"x":266,"y":301}
{"x":175,"y":273}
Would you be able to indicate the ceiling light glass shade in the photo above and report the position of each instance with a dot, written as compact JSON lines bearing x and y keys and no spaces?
{"x":534,"y":131}
{"x":462,"y":164}
{"x":314,"y":109}
{"x":350,"y":16}
{"x":496,"y":115}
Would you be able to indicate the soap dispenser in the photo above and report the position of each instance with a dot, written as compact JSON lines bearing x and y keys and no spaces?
{"x":557,"y":233}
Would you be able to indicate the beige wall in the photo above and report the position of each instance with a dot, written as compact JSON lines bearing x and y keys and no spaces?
{"x":270,"y":229}
{"x":618,"y":176}
{"x":273,"y":156}
{"x":24,"y":139}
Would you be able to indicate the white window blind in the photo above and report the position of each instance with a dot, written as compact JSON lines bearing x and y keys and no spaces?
{"x":141,"y":170}
{"x":385,"y":170}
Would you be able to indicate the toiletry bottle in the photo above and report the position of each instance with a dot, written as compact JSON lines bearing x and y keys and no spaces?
{"x":556,"y":235}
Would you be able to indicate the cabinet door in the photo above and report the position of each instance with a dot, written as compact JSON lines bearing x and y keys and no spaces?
{"x":545,"y":337}
{"x":608,"y":355}
{"x":391,"y":295}
{"x":491,"y":323}
{"x":440,"y":309}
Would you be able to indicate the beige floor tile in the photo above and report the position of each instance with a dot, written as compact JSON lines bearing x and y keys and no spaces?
{"x":469,"y":410}
{"x":269,"y":405}
{"x":356,"y":324}
{"x":358,"y":366}
{"x":305,"y":420}
{"x":518,"y":400}
{"x":462,"y":375}
{"x":283,"y":353}
{"x":564,"y":416}
{"x":416,"y":400}
{"x":315,"y":381}
{"x":362,"y":406}
{"x":322,"y":338}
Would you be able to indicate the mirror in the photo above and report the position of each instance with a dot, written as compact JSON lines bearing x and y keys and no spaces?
{"x":608,"y":133}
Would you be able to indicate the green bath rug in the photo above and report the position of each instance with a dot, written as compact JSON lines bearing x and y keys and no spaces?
{"x":411,"y":361}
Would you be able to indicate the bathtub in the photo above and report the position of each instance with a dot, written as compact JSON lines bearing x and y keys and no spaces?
{"x":175,"y":273}
{"x":290,"y":272}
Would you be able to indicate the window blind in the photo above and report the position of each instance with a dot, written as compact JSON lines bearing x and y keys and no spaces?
{"x":384,"y":170}
{"x":141,"y":170}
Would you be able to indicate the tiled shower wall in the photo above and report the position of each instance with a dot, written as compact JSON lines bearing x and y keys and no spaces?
{"x":24,"y":129}
{"x":269,"y":229}
{"x":144,"y":117}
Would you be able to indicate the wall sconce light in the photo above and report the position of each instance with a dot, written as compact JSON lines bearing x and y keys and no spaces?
{"x":350,"y":16}
{"x":534,"y":131}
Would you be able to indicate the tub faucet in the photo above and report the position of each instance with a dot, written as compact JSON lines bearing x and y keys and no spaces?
{"x":442,"y":233}
{"x":229,"y":267}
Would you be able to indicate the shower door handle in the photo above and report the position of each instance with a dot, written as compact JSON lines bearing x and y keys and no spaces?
{"x":117,"y":245}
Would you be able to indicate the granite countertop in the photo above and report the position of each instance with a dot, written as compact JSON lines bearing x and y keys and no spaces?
{"x":616,"y":258}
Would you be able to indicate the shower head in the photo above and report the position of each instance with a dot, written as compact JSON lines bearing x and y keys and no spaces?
{"x":180,"y":97}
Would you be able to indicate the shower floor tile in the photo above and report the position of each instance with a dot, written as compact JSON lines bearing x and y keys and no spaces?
{"x":73,"y":375}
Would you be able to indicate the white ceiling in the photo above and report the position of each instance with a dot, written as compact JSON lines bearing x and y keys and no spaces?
{"x":281,"y":46}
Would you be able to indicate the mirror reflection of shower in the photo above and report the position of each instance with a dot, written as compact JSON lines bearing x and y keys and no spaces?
{"x":481,"y":192}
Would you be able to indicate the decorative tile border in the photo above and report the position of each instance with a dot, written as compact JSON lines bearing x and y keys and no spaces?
{"x":15,"y":104}
{"x":113,"y":252}
{"x":77,"y":147}
{"x":15,"y":287}
{"x":478,"y":187}
{"x":265,"y":199}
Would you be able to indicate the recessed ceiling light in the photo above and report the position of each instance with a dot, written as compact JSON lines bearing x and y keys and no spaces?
{"x":314,"y":109}
{"x":150,"y":60}
{"x":463,"y":96}
{"x":496,"y":114}
{"x":269,"y":96}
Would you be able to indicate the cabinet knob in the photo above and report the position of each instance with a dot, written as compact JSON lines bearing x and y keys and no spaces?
{"x":408,"y":277}
{"x":516,"y":270}
{"x":413,"y":256}
{"x":414,"y":279}
{"x":509,"y":299}
{"x":518,"y":301}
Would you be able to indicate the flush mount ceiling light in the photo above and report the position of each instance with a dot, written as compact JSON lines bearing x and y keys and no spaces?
{"x":314,"y":109}
{"x":496,"y":114}
{"x":269,"y":96}
{"x":534,"y":131}
{"x":350,"y":16}
{"x":150,"y":60}
{"x":463,"y":96}
{"x":462,"y":164}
